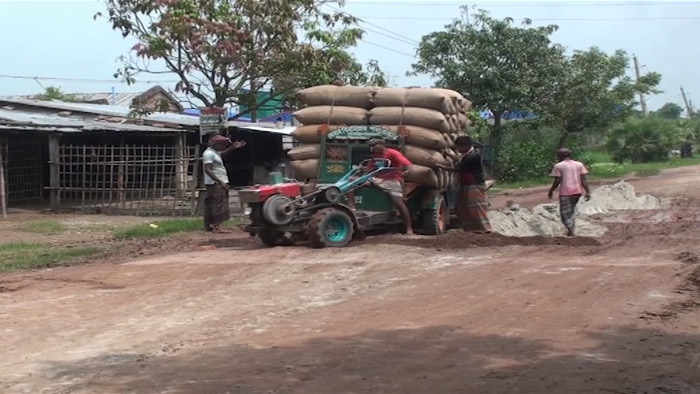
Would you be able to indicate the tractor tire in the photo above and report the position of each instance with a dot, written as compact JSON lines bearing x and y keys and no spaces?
{"x":330,"y":227}
{"x":435,"y":221}
{"x":272,"y":238}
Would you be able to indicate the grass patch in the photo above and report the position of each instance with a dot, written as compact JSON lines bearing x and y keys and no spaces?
{"x":599,"y":156}
{"x":521,"y":184}
{"x":163,"y":228}
{"x":613,"y":170}
{"x":24,"y":255}
{"x":648,"y":172}
{"x":159,"y":228}
{"x":45,"y":227}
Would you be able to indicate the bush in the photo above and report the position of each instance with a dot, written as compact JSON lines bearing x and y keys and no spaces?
{"x":529,"y":153}
{"x":642,"y":140}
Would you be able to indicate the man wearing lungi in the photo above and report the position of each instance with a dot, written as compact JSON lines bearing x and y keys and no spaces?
{"x":472,"y":205}
{"x":216,"y":205}
{"x":571,"y":176}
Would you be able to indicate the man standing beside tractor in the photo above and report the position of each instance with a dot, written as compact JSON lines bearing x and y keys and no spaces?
{"x":472,"y":206}
{"x":216,"y":204}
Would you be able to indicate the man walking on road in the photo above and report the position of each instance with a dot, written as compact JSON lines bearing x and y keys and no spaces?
{"x":571,"y":176}
{"x":216,"y":209}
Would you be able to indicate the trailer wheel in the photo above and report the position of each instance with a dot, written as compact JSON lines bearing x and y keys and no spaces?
{"x":330,"y":227}
{"x":435,"y":221}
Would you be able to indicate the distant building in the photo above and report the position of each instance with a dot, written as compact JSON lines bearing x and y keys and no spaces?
{"x":150,"y":99}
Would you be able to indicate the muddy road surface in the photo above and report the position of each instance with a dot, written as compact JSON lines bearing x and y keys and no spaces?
{"x":453,"y":314}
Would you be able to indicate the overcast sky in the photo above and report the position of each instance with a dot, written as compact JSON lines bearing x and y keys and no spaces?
{"x":60,"y":39}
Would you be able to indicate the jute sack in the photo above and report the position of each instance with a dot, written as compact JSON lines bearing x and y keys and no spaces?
{"x":420,"y":136}
{"x":452,"y":155}
{"x":311,"y":134}
{"x":332,"y":115}
{"x":422,"y":98}
{"x":422,"y":156}
{"x":422,"y":175}
{"x":346,"y":96}
{"x":303,"y":169}
{"x":463,"y":120}
{"x":464,"y":105}
{"x":411,"y":116}
{"x":305,"y":152}
{"x":461,"y":103}
{"x":455,"y":124}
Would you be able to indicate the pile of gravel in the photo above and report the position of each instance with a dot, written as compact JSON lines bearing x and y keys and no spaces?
{"x":544,"y":219}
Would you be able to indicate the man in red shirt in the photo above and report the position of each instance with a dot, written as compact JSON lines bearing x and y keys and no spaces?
{"x":391,"y":182}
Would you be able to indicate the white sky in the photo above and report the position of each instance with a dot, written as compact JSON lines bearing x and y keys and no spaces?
{"x":59,"y":38}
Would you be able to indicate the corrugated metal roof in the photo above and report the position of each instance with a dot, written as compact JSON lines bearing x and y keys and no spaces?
{"x":107,"y":110}
{"x":284,"y":131}
{"x":22,"y":120}
{"x":121,"y":99}
{"x":123,"y":112}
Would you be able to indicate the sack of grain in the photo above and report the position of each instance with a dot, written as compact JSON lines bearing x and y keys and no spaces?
{"x":346,"y":96}
{"x":421,"y":174}
{"x":420,"y":136}
{"x":422,"y":156}
{"x":305,"y":152}
{"x":463,"y":120}
{"x":411,"y":116}
{"x":311,"y":134}
{"x":304,"y":169}
{"x":454,"y":123}
{"x":332,"y":114}
{"x":452,"y":154}
{"x":434,"y":99}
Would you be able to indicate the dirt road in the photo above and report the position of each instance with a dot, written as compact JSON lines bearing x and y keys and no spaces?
{"x":390,"y":315}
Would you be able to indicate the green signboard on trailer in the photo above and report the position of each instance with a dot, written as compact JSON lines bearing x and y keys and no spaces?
{"x":345,"y":147}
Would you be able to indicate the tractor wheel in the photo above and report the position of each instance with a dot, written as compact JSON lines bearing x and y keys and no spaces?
{"x":330,"y":227}
{"x":435,"y":221}
{"x":273,"y":238}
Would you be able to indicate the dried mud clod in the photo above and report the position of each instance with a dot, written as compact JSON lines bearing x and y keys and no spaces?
{"x":688,"y":257}
{"x":691,"y":287}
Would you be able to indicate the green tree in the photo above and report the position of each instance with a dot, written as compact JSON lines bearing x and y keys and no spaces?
{"x":595,"y":92}
{"x":55,"y":93}
{"x":499,"y":66}
{"x":669,"y":111}
{"x":642,"y":140}
{"x":225,"y":51}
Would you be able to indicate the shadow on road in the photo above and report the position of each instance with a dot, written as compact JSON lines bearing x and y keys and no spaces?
{"x":432,"y":360}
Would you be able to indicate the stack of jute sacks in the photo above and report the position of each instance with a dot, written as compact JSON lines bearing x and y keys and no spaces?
{"x":429,"y":119}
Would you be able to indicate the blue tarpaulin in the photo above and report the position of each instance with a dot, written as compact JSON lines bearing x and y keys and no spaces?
{"x":509,"y":115}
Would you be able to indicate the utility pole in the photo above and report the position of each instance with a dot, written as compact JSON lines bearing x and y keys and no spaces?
{"x":688,"y":105}
{"x":642,"y":99}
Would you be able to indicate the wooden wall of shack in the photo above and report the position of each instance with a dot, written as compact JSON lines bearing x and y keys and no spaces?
{"x":144,"y":173}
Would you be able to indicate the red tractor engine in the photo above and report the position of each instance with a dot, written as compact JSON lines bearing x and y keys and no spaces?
{"x":260,"y":193}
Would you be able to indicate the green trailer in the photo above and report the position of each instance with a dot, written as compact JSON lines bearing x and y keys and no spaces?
{"x":284,"y":213}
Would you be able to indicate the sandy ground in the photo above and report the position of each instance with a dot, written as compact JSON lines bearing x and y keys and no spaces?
{"x":451,"y":314}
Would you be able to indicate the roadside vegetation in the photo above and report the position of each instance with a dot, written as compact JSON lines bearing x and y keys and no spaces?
{"x":24,"y":255}
{"x":163,"y":228}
